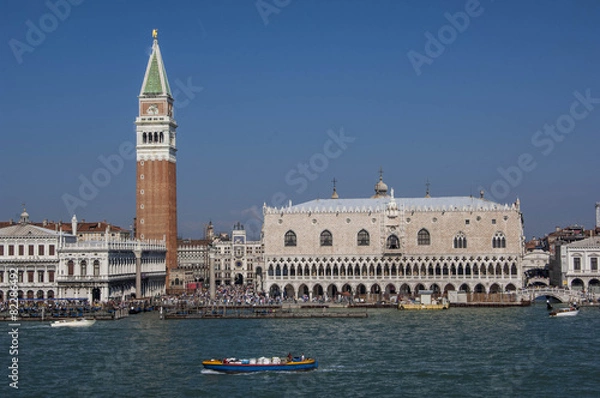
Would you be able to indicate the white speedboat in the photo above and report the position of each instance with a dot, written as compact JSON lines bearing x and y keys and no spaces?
{"x":571,"y":311}
{"x":73,"y":323}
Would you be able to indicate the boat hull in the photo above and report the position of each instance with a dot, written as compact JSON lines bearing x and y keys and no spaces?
{"x":562,"y":313}
{"x":415,"y":306}
{"x":219,"y":366}
{"x":76,"y":323}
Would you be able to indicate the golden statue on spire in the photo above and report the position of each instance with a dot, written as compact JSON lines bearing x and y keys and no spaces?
{"x":154,"y":33}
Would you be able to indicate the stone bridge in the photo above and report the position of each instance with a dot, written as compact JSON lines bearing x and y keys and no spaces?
{"x":562,"y":295}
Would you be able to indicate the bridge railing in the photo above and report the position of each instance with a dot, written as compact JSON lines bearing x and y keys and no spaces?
{"x":560,"y":293}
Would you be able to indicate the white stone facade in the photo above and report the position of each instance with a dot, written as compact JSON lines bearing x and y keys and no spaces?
{"x":106,"y":269}
{"x":192,"y":263}
{"x":32,"y":253}
{"x":387,"y":245}
{"x":236,"y":261}
{"x":580,"y":262}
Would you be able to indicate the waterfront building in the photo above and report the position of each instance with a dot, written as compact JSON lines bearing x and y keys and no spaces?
{"x":51,"y":263}
{"x":107,"y":269}
{"x":385,"y":245}
{"x":32,"y":252}
{"x":94,"y":231}
{"x":580,"y":264}
{"x":238,"y":261}
{"x":554,"y":241}
{"x":193,"y":260}
{"x":156,"y":183}
{"x":84,"y":230}
{"x":561,"y":236}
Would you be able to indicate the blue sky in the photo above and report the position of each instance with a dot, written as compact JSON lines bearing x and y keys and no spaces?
{"x":260,"y":92}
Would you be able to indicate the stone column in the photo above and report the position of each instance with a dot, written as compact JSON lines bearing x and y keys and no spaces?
{"x":211,"y":272}
{"x":138,"y":271}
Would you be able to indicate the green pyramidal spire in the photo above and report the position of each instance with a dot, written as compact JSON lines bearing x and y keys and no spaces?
{"x":155,"y":80}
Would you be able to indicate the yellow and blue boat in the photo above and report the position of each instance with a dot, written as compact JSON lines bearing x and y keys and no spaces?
{"x":263,"y":364}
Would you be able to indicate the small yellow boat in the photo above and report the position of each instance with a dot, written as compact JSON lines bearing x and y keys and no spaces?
{"x":421,"y":306}
{"x":425,"y":302}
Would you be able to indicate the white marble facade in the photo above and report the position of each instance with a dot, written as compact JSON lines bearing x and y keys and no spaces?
{"x":387,"y":245}
{"x":580,"y":264}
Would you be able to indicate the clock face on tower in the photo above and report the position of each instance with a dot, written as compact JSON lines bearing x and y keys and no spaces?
{"x":152,"y":109}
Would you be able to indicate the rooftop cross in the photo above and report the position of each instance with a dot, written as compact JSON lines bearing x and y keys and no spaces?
{"x":334,"y":195}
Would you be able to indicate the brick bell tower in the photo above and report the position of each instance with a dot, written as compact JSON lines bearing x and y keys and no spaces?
{"x":156,"y":195}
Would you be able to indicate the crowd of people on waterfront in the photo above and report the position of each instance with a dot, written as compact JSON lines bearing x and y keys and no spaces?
{"x":244,"y":295}
{"x":224,"y":295}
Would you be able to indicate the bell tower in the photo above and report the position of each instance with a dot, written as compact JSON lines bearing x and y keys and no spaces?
{"x":156,"y":186}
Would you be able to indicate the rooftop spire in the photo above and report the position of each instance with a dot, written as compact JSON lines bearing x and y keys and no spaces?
{"x":24,"y":216}
{"x":381,"y":187}
{"x":155,"y":80}
{"x":334,"y":195}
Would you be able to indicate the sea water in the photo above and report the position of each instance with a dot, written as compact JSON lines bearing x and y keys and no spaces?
{"x":461,"y":352}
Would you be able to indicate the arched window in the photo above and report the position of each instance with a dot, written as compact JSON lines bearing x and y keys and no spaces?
{"x":144,"y":138}
{"x":70,"y":268}
{"x":393,"y":242}
{"x":83,"y":267}
{"x":161,"y":137}
{"x":155,"y":136}
{"x":290,"y":238}
{"x":499,"y":241}
{"x":423,"y":238}
{"x":96,"y":268}
{"x":363,"y":238}
{"x":460,"y":241}
{"x":326,"y":238}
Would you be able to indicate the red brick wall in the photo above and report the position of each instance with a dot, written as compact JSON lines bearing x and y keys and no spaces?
{"x":158,"y":217}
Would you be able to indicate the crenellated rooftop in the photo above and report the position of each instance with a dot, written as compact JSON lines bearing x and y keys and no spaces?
{"x":375,"y":205}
